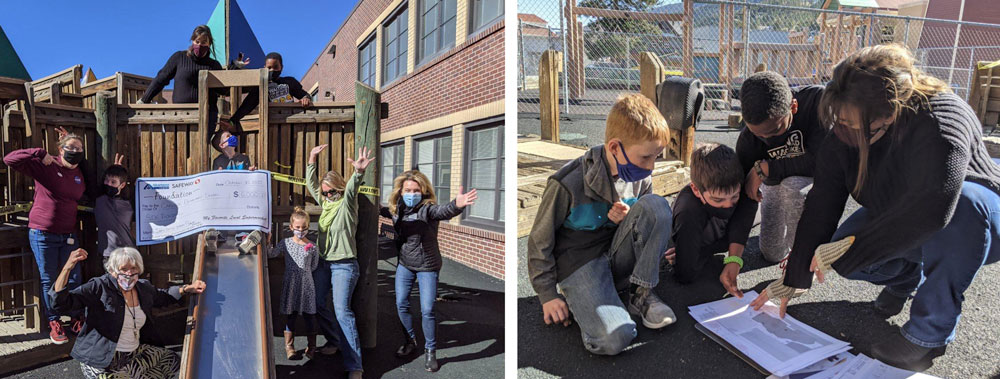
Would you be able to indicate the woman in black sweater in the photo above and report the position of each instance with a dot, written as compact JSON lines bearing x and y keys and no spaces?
{"x":912,"y":154}
{"x":183,"y":67}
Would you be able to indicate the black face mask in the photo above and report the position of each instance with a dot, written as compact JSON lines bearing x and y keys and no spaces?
{"x":275,"y":75}
{"x":721,"y":213}
{"x":774,"y":141}
{"x":72,"y":157}
{"x":111,"y":191}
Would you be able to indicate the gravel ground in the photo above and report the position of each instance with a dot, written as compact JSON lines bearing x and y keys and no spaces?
{"x":840,"y":307}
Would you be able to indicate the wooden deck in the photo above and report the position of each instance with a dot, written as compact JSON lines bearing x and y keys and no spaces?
{"x":537,"y":160}
{"x":21,"y":348}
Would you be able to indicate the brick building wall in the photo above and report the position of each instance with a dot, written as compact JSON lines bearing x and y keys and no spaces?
{"x":459,"y":87}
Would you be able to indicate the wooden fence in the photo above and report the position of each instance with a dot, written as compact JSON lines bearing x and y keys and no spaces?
{"x":127,"y":88}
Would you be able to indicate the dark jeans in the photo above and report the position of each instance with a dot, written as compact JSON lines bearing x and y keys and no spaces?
{"x":51,"y":253}
{"x":427,"y":281}
{"x":942,"y":268}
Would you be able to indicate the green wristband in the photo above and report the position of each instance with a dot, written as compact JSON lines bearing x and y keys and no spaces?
{"x":732,"y":259}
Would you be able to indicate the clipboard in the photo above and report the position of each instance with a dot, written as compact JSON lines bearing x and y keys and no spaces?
{"x":731,"y":348}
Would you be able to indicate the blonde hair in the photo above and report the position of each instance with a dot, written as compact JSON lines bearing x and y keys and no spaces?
{"x":298,"y":213}
{"x":635,"y":119}
{"x":122,"y":255}
{"x":68,"y":137}
{"x":879,"y":82}
{"x":426,"y":189}
{"x":335,"y":181}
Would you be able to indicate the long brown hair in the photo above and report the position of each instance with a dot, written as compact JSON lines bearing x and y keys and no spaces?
{"x":878,"y":82}
{"x":202,"y":30}
{"x":426,"y":189}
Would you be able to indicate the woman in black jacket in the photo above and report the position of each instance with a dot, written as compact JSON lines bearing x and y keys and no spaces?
{"x":415,"y":216}
{"x":115,"y":338}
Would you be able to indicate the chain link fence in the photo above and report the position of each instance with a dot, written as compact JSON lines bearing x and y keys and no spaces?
{"x":601,"y":47}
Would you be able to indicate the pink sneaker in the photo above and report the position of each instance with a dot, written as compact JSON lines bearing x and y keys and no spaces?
{"x":56,"y":333}
{"x":75,"y":325}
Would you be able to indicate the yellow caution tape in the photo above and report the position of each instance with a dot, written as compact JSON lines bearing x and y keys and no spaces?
{"x":988,"y":65}
{"x":276,"y":163}
{"x":24,"y":207}
{"x":14,"y":208}
{"x":288,"y":178}
{"x":368,"y":190}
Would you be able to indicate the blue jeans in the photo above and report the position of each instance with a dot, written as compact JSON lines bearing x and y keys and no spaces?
{"x":592,"y":290}
{"x":308,"y":318}
{"x":339,"y":277}
{"x":942,"y":268}
{"x":428,"y":293}
{"x":51,"y":253}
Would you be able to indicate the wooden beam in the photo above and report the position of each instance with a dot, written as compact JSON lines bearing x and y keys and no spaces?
{"x":234,"y":78}
{"x":687,"y":59}
{"x":55,"y":93}
{"x":651,"y":73}
{"x":313,"y":116}
{"x":548,"y":86}
{"x":106,"y":122}
{"x":367,"y":126}
{"x":263,"y":150}
{"x":11,"y":89}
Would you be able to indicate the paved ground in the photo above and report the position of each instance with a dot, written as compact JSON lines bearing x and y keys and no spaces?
{"x":470,"y":334}
{"x":839,"y":307}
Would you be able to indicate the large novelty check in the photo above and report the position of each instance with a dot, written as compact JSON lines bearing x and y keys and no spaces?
{"x":170,"y":208}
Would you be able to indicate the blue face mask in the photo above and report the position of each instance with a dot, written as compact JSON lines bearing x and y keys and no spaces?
{"x":232,"y":141}
{"x":411,"y":199}
{"x":628,"y":171}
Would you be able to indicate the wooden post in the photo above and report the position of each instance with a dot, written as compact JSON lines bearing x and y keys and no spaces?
{"x":367,"y":132}
{"x":687,"y":60}
{"x":105,"y":112}
{"x":650,"y":74}
{"x":200,"y":146}
{"x":263,"y":146}
{"x":55,"y":93}
{"x":548,"y":96}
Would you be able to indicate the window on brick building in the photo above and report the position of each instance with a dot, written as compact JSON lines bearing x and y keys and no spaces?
{"x":395,"y":45}
{"x":432,"y":156}
{"x":437,"y":27}
{"x":484,"y":13}
{"x":366,"y":61}
{"x":392,"y":166}
{"x":484,"y":171}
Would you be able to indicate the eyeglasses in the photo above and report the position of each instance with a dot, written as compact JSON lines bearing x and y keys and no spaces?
{"x":71,"y":149}
{"x":328,"y":193}
{"x":127,"y":275}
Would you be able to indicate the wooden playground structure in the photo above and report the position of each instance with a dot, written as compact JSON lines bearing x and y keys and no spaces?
{"x":162,"y":140}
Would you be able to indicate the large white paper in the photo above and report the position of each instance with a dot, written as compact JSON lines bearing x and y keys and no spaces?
{"x":864,"y":367}
{"x":780,"y":346}
{"x":825,"y":368}
{"x":170,"y":208}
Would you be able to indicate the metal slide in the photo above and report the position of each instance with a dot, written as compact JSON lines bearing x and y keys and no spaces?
{"x":228,"y":327}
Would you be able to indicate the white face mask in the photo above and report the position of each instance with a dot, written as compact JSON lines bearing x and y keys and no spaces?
{"x":127,"y":281}
{"x":299,"y":233}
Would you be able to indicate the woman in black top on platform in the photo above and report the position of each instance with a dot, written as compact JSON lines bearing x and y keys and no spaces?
{"x":183,"y":67}
{"x":912,"y":154}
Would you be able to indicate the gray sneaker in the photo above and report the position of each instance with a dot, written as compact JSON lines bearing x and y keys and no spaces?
{"x":654,"y":312}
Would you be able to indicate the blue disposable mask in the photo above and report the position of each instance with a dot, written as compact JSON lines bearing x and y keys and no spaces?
{"x":628,"y":171}
{"x":232,"y":141}
{"x":411,"y":199}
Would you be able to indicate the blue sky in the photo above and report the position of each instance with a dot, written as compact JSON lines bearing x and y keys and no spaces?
{"x":138,"y":36}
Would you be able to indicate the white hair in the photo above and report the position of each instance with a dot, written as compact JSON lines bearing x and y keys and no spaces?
{"x":122,"y":255}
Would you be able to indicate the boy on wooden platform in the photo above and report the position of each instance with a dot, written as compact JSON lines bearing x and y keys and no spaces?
{"x":230,"y":159}
{"x":280,"y":89}
{"x":600,"y":231}
{"x":709,"y":217}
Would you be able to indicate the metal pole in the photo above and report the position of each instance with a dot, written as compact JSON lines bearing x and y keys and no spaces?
{"x":746,"y":41}
{"x":958,"y":33}
{"x":972,"y":73}
{"x":906,"y":35}
{"x":520,"y":55}
{"x":562,"y":27}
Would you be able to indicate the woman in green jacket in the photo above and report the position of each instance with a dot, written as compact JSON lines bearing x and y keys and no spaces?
{"x":338,"y":268}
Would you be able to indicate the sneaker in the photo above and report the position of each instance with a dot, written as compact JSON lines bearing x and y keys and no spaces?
{"x":888,"y":304}
{"x":250,"y":242}
{"x":654,"y":312}
{"x":76,"y":325}
{"x":56,"y":333}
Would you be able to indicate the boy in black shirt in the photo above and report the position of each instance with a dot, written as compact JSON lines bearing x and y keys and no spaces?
{"x":280,"y":89}
{"x":230,"y":159}
{"x":777,"y":151}
{"x":712,"y":215}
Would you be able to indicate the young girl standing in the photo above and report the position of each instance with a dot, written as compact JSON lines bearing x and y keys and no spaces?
{"x":298,"y":292}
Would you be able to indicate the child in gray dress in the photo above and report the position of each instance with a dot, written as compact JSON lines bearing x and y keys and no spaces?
{"x":298,"y":294}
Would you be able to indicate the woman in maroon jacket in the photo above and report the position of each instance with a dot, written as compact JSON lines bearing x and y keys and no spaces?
{"x":59,"y":185}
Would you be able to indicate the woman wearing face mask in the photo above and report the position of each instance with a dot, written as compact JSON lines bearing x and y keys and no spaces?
{"x":59,"y":185}
{"x":338,"y":265}
{"x":912,"y":154}
{"x":415,"y":215}
{"x":115,"y":338}
{"x":183,"y":67}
